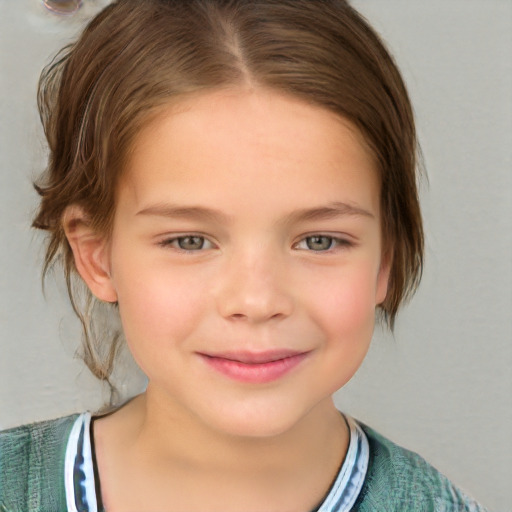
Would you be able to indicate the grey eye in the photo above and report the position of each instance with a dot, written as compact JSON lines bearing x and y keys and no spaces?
{"x":319,"y":243}
{"x":191,"y":243}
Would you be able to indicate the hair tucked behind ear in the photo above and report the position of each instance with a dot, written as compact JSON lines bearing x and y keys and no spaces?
{"x":138,"y":55}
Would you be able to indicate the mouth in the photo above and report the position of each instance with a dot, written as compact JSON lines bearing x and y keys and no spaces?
{"x":255,"y":367}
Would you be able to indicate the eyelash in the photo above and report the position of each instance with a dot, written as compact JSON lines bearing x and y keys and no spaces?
{"x":334,"y":243}
{"x":175,"y":241}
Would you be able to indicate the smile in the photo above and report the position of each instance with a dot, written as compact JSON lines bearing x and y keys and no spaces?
{"x":256,"y":368}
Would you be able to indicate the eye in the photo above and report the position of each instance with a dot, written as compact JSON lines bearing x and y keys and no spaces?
{"x":321,"y":243}
{"x":188,"y":243}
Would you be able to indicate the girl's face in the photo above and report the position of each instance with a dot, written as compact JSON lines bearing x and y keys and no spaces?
{"x":246,"y":258}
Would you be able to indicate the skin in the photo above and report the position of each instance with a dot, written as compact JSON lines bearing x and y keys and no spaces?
{"x":246,"y":220}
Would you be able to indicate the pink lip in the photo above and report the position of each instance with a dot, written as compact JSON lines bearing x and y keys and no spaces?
{"x":255,"y":367}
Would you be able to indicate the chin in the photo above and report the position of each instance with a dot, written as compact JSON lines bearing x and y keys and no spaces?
{"x":253,"y":420}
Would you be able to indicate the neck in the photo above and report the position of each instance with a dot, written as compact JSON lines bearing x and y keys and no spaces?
{"x":173,"y":434}
{"x":301,"y":462}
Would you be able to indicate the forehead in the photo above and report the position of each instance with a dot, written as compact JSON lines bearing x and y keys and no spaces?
{"x":257,"y":147}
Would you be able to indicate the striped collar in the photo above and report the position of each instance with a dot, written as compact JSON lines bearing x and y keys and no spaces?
{"x":81,"y":487}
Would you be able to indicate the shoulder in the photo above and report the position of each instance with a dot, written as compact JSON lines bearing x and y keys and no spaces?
{"x":401,"y":480}
{"x":32,"y":464}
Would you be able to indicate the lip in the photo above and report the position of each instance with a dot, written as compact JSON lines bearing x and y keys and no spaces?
{"x":255,"y":367}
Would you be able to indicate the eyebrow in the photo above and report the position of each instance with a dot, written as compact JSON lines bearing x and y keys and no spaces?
{"x":183,"y":212}
{"x":330,"y":211}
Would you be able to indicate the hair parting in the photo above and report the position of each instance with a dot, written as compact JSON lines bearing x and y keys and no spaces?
{"x":138,"y":56}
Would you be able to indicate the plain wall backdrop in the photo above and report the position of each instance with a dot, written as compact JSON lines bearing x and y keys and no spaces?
{"x":442,"y":385}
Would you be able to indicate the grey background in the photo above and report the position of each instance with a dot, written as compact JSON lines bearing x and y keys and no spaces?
{"x":442,"y":385}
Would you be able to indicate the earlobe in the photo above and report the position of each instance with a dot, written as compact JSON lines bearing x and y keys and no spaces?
{"x":91,"y":253}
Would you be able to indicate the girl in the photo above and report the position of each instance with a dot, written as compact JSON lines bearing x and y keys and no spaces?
{"x":236,"y":179}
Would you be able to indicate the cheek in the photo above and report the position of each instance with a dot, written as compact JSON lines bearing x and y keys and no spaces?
{"x":349,"y":304}
{"x":158,"y":309}
{"x":347,"y":319}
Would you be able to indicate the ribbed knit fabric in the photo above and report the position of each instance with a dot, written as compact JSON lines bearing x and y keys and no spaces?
{"x":32,"y":466}
{"x":399,"y":480}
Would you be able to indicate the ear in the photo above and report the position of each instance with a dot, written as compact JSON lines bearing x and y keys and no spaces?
{"x":91,"y":253}
{"x":383,"y":277}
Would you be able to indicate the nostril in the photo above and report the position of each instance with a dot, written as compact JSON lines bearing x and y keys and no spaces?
{"x":253,"y":293}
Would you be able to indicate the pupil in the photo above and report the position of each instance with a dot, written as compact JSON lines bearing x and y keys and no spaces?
{"x":191,"y":242}
{"x":319,"y":243}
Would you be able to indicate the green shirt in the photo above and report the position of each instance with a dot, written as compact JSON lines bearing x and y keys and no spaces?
{"x":32,"y":474}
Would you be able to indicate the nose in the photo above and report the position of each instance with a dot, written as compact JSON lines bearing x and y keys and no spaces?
{"x":254,"y":288}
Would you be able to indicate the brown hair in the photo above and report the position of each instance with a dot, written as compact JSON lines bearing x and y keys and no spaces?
{"x":138,"y":55}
